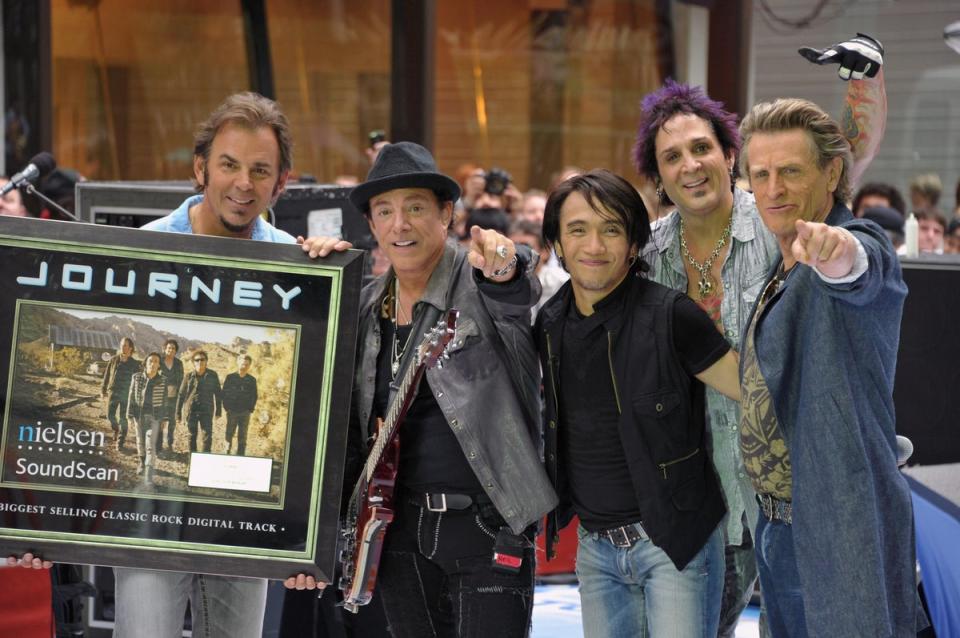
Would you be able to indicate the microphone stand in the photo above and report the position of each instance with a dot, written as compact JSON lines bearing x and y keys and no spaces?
{"x":30,"y":189}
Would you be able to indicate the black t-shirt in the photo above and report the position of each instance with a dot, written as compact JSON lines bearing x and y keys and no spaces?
{"x":596,"y":466}
{"x":431,"y":459}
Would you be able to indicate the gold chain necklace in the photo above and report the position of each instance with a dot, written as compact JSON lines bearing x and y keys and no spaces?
{"x":707,"y":282}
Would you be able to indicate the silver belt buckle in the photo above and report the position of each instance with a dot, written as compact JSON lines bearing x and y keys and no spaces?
{"x":619,"y":537}
{"x":443,"y":504}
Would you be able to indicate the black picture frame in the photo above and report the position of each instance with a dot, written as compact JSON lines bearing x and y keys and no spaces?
{"x":68,"y":294}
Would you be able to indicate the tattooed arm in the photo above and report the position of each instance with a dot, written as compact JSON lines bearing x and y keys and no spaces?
{"x":864,"y":121}
{"x":864,"y":118}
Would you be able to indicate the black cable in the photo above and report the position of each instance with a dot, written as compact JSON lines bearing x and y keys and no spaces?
{"x":785,"y":25}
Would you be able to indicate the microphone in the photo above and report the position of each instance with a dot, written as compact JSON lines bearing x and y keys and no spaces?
{"x":41,"y":164}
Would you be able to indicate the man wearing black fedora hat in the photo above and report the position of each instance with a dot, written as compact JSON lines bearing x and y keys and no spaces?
{"x":470,"y":480}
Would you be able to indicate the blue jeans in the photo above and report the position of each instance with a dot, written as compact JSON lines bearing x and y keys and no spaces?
{"x":153,"y":603}
{"x":638,"y":591}
{"x":147,"y":431}
{"x":779,"y":578}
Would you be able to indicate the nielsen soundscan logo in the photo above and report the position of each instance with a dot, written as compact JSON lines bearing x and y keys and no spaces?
{"x":65,"y":440}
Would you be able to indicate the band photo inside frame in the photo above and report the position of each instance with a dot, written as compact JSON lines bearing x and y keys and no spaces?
{"x":65,"y":429}
{"x":233,"y":468}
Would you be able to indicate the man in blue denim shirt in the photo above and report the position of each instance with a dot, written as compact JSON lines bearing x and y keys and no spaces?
{"x":242,"y":157}
{"x":687,"y":145}
{"x":835,"y":539}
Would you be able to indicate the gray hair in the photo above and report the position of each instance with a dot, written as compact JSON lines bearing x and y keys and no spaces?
{"x":826,"y":138}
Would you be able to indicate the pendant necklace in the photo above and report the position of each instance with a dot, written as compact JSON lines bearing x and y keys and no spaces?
{"x":706,"y":283}
{"x":397,"y":350}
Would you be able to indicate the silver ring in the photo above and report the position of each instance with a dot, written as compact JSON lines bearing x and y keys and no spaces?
{"x":501,"y":251}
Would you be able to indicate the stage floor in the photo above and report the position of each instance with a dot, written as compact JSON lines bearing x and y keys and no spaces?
{"x":556,"y":614}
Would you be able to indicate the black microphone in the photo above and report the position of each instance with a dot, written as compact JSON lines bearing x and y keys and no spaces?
{"x":41,"y":164}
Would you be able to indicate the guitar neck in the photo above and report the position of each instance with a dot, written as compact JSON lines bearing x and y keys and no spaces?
{"x":406,"y":392}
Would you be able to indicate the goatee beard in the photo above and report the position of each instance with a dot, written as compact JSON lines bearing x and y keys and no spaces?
{"x":238,"y":229}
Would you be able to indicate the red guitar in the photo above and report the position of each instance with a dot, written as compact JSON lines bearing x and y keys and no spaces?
{"x":371,"y":504}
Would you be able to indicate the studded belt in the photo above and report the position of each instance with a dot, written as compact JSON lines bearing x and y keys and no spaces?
{"x":775,"y":509}
{"x":625,"y":535}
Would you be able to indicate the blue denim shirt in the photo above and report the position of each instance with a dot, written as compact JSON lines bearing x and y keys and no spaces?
{"x":828,"y":352}
{"x":753,"y":252}
{"x":179,"y":222}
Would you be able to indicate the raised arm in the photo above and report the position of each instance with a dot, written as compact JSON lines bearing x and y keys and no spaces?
{"x":864,"y":117}
{"x":864,"y":121}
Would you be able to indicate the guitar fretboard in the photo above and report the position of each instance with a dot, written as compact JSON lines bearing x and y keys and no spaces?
{"x":397,"y":409}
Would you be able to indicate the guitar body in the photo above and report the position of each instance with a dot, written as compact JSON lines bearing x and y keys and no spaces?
{"x":370,"y":510}
{"x":374,"y":517}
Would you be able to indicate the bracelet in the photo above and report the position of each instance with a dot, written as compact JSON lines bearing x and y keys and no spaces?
{"x":510,"y":265}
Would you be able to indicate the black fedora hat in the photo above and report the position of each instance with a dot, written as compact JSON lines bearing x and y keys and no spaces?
{"x":403,"y":165}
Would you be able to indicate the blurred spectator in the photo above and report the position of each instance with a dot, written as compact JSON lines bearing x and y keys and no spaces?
{"x":951,"y":244}
{"x":878,"y":194}
{"x":932,"y":225}
{"x":889,"y":220}
{"x":956,"y":209}
{"x":492,"y":218}
{"x":534,"y":203}
{"x":471,"y":180}
{"x":60,"y":186}
{"x":378,"y":139}
{"x":512,"y":201}
{"x":459,"y":224}
{"x":925,"y":192}
{"x":565,"y":173}
{"x":12,"y":202}
{"x":496,"y":183}
{"x":550,"y":273}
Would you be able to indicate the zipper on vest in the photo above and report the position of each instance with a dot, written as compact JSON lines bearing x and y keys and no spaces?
{"x":663,"y":466}
{"x":553,"y":381}
{"x":613,"y":377}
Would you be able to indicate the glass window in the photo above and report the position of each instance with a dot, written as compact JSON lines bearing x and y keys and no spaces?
{"x":331,"y":69}
{"x":534,"y":87}
{"x":131,"y":80}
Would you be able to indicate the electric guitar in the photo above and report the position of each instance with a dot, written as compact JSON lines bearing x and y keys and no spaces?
{"x":371,"y":505}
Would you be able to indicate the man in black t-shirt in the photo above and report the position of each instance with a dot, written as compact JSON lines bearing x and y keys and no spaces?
{"x":624,"y":362}
{"x":239,"y":400}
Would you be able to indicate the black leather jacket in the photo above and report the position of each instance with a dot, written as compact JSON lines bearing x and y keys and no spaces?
{"x":488,"y":389}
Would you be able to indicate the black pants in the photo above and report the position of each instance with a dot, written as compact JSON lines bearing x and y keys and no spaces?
{"x":118,"y":422}
{"x":237,"y":422}
{"x":436,"y":577}
{"x":204,"y":422}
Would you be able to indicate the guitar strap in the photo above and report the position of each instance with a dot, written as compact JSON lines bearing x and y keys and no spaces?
{"x":429,"y":317}
{"x":425,"y":316}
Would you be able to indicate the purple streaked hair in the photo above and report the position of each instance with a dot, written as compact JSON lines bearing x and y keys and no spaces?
{"x":671,"y":99}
